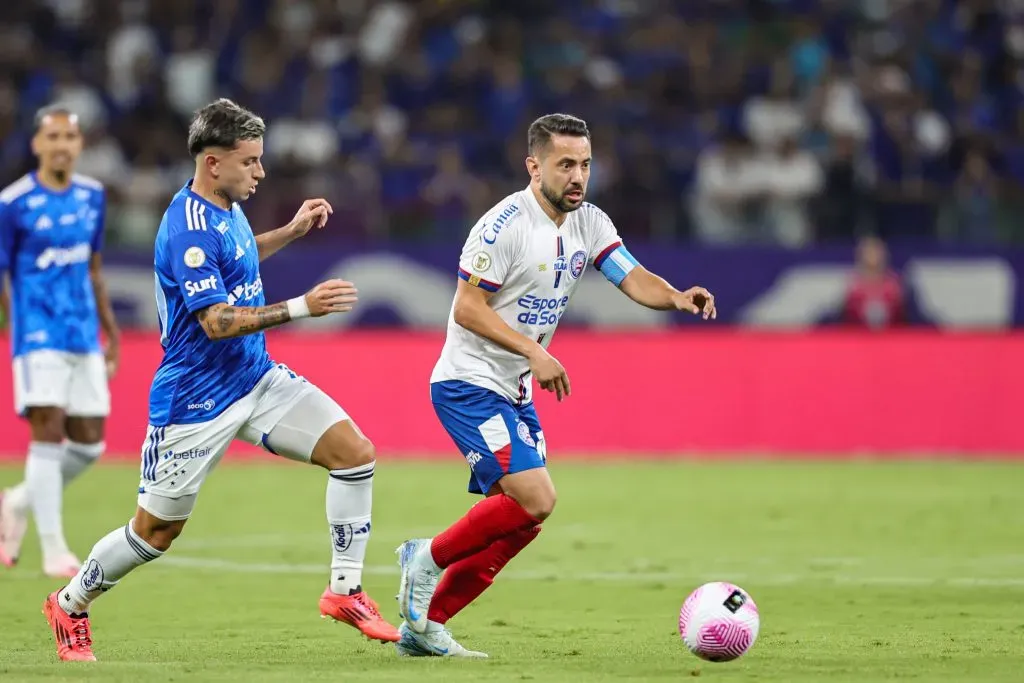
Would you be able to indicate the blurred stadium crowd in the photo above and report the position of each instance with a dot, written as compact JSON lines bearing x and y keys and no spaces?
{"x":717,"y":121}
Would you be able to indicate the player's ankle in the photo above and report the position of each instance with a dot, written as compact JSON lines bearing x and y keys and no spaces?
{"x":72,"y":604}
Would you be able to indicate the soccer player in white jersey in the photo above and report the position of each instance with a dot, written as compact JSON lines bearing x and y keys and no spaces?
{"x":217,"y":383}
{"x":51,"y":237}
{"x":519,"y":268}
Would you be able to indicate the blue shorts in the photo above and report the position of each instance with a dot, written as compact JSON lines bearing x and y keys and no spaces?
{"x":495,"y":436}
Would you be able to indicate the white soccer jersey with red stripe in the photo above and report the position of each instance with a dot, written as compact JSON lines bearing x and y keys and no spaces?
{"x":533,"y":266}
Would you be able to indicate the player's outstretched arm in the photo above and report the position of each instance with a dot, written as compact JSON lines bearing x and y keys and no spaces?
{"x":473,"y":312}
{"x":221,"y":321}
{"x":312,"y":213}
{"x":647,"y":289}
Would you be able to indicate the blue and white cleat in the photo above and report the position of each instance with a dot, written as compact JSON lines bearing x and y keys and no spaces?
{"x":418,"y":583}
{"x":433,"y":643}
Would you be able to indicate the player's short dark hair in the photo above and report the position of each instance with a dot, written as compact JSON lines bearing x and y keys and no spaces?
{"x":543,"y":129}
{"x":49,"y":110}
{"x":223,"y":124}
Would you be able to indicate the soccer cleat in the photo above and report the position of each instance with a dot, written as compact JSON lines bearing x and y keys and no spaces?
{"x":64,"y":566}
{"x":73,"y":634}
{"x":13,"y":524}
{"x":358,"y":610}
{"x":438,"y":643}
{"x":418,"y":582}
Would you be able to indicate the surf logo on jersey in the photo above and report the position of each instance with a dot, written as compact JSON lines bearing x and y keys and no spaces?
{"x":64,"y":256}
{"x":577,"y":263}
{"x":204,"y":285}
{"x":195,"y":257}
{"x":540,"y":310}
{"x":246,"y":292}
{"x":490,"y":234}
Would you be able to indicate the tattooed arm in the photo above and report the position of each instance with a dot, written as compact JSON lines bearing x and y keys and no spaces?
{"x":221,"y":321}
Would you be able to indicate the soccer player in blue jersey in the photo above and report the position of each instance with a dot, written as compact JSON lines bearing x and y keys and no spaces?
{"x":51,"y":236}
{"x":217,"y":383}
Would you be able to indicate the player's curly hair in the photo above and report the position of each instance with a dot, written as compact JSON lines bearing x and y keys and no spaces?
{"x":543,"y":129}
{"x":223,"y":123}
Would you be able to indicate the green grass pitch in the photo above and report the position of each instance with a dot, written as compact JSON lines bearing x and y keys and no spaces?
{"x":862,"y":571}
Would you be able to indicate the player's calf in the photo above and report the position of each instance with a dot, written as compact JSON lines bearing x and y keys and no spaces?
{"x":464,"y":581}
{"x":349,"y":457}
{"x":113,"y":557}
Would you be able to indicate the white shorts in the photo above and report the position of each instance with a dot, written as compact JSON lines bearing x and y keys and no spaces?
{"x":285,"y":414}
{"x":76,"y":382}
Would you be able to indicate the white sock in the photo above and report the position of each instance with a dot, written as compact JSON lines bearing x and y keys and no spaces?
{"x":113,"y":556}
{"x":78,"y":457}
{"x":45,"y":494}
{"x":349,"y":500}
{"x":17,"y":497}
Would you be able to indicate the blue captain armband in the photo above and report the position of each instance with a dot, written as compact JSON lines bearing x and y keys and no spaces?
{"x":615,"y":263}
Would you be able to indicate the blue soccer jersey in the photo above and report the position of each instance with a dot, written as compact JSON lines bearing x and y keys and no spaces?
{"x":204,"y":255}
{"x":47,"y":238}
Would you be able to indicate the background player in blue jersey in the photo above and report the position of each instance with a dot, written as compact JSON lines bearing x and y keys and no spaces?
{"x":217,"y":383}
{"x":51,"y":235}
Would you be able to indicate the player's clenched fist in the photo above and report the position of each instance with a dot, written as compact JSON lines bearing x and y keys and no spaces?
{"x":549,"y":373}
{"x":333,"y":296}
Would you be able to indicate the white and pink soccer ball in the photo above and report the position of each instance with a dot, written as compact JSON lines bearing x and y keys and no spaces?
{"x":719,"y":622}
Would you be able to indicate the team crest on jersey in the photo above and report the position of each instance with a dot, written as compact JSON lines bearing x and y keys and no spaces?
{"x":577,"y":263}
{"x":482,"y":262}
{"x":195,"y":257}
{"x":523,"y":430}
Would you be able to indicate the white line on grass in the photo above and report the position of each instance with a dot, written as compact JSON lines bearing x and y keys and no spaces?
{"x":230,"y":566}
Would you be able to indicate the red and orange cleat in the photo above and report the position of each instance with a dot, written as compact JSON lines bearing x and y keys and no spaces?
{"x":358,"y":610}
{"x":73,"y":634}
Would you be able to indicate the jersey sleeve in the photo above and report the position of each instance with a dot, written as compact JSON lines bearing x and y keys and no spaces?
{"x":487,"y":256}
{"x":195,"y":258}
{"x":100,"y":207}
{"x":608,"y":254}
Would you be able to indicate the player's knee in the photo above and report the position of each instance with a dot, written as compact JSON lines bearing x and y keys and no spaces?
{"x":47,"y":424}
{"x":541,"y":504}
{"x":85,"y":430}
{"x":159,"y":534}
{"x":353,"y":454}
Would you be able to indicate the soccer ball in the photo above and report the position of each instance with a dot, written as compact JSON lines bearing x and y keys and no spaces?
{"x":719,"y":622}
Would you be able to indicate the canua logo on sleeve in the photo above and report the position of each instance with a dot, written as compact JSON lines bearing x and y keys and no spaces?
{"x":195,"y":257}
{"x":481,"y":262}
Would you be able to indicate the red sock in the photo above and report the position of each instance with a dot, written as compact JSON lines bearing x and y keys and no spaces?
{"x":464,"y":581}
{"x":487,"y":521}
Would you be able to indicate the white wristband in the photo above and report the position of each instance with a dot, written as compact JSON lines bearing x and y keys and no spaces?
{"x":298,"y":308}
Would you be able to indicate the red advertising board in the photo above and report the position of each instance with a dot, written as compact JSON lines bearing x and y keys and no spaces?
{"x":710,"y":393}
